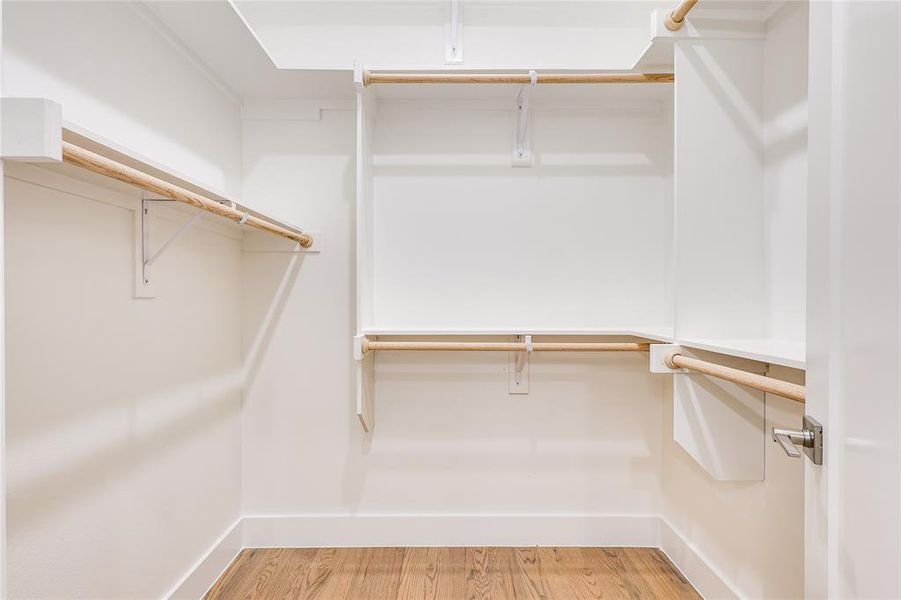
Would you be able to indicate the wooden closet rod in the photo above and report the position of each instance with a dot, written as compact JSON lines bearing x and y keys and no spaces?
{"x":522,"y":78}
{"x":676,"y":19}
{"x":792,"y":391}
{"x":506,"y":346}
{"x":77,"y":155}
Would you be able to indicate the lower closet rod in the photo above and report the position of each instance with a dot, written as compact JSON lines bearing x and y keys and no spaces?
{"x":507,"y":346}
{"x":792,"y":391}
{"x":91,"y":161}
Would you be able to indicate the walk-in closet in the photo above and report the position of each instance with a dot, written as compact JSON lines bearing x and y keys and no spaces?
{"x":446,"y":299}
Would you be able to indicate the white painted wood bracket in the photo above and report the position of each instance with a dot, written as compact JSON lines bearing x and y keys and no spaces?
{"x":519,"y":367}
{"x":522,"y":129}
{"x":720,"y":424}
{"x":32,"y":130}
{"x":365,"y":383}
{"x":453,"y":35}
{"x":358,"y":347}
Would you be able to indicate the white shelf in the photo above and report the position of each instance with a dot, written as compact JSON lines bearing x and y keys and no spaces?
{"x":657,"y":334}
{"x":775,"y":352}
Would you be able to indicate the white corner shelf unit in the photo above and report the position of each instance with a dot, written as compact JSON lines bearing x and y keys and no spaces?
{"x":670,"y":213}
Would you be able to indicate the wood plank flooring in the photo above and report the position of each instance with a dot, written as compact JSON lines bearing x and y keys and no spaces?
{"x":451,"y":574}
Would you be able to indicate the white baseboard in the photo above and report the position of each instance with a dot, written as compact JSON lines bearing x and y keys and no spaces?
{"x":698,"y":571}
{"x":206,"y":571}
{"x":342,"y":530}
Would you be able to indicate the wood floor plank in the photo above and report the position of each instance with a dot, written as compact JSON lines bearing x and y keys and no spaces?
{"x":377,"y":576}
{"x":477,"y":573}
{"x":651,"y":566}
{"x":528,"y":579}
{"x":451,"y":579}
{"x":294,"y":570}
{"x":578,"y":571}
{"x":488,"y":573}
{"x":608,"y":567}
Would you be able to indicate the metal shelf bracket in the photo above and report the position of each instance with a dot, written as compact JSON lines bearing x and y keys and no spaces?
{"x":144,"y":281}
{"x":522,"y":132}
{"x":519,"y":367}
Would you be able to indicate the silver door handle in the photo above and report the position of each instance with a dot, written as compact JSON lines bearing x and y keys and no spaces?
{"x":810,"y":439}
{"x":788,"y":438}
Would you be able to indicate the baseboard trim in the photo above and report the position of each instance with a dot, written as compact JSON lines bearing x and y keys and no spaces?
{"x":694,"y":567}
{"x":206,"y":571}
{"x":343,"y":530}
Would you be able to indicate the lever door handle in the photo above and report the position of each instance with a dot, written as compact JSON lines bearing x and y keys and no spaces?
{"x":784,"y":437}
{"x":810,"y":439}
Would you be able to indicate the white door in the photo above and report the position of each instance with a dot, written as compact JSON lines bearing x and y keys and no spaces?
{"x":853,"y":501}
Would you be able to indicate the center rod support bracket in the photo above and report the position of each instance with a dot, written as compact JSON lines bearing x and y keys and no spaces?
{"x":519,"y":367}
{"x":453,"y":35}
{"x":522,"y":131}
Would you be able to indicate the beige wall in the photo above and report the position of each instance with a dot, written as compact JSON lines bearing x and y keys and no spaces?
{"x":123,"y":415}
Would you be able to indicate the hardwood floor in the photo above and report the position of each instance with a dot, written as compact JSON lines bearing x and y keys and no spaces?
{"x":451,"y":574}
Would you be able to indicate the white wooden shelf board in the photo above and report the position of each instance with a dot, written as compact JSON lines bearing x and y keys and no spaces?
{"x":776,"y":352}
{"x":76,"y":134}
{"x":657,"y":334}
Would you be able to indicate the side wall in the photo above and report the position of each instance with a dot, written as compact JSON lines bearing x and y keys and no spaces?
{"x":123,"y":415}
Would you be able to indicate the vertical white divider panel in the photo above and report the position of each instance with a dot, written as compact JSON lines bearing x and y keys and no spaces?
{"x":365,"y":369}
{"x":721,"y":425}
{"x":719,"y":188}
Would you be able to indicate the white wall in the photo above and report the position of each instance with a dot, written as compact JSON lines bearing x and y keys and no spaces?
{"x":785,"y":173}
{"x":450,"y":440}
{"x":123,"y":415}
{"x":2,"y":351}
{"x":579,"y":240}
{"x":119,"y":74}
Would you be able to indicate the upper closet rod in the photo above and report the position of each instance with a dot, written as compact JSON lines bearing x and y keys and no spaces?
{"x":100,"y":164}
{"x":370,"y":78}
{"x":792,"y":391}
{"x":676,"y":19}
{"x":369,"y":346}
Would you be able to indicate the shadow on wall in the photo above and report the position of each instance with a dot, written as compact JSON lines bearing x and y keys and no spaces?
{"x":279,"y":289}
{"x":155,"y":425}
{"x":734,"y":95}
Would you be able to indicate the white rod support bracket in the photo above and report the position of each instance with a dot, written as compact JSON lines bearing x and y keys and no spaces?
{"x":358,"y":347}
{"x":659,"y":353}
{"x":453,"y":35}
{"x":522,"y":131}
{"x":519,"y":367}
{"x":31,"y":130}
{"x":147,"y":256}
